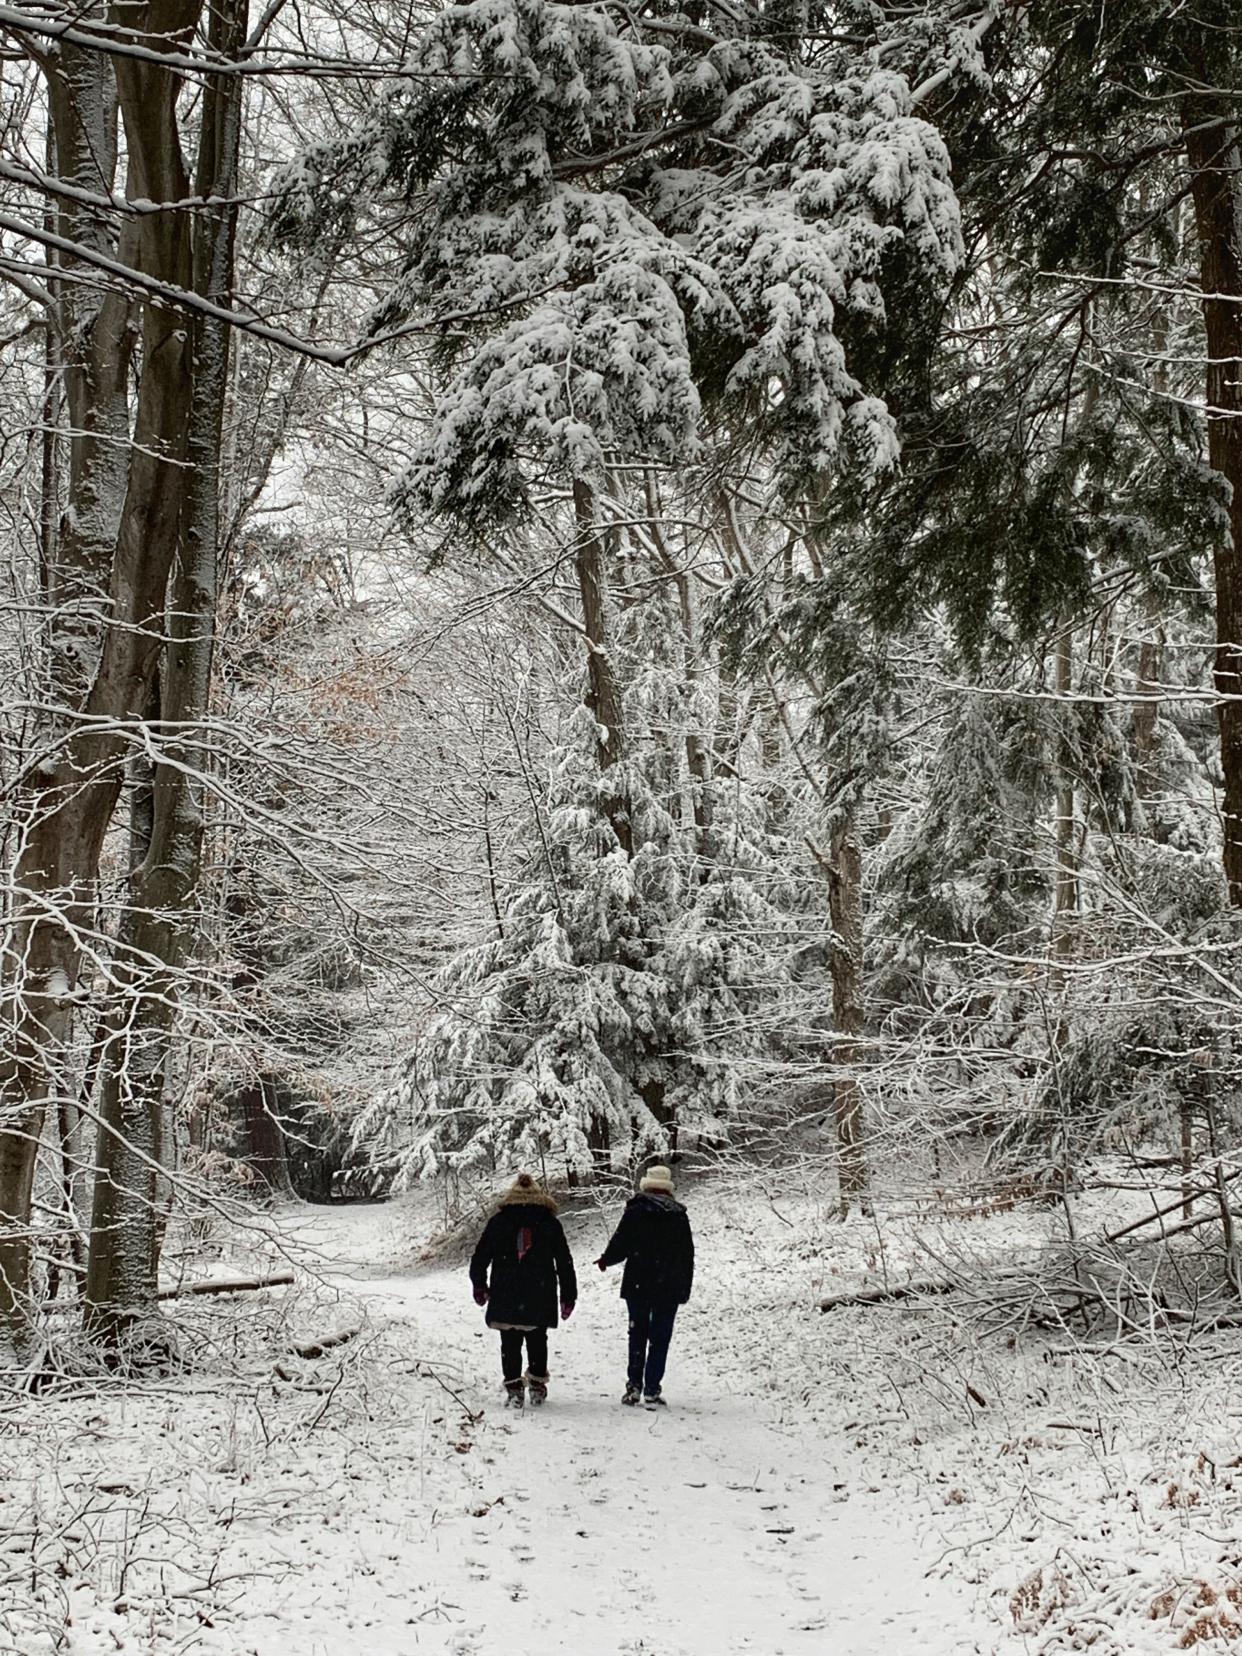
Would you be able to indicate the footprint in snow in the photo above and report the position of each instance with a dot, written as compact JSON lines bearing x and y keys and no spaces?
{"x":465,"y":1643}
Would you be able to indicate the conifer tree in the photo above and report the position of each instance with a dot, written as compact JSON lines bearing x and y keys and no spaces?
{"x":641,"y":241}
{"x":1075,"y":419}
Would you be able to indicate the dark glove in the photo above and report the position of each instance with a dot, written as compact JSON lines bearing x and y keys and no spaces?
{"x":480,"y":1296}
{"x":567,"y":1310}
{"x":601,"y":1265}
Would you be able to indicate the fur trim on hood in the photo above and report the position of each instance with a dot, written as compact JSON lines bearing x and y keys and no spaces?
{"x":524,"y":1192}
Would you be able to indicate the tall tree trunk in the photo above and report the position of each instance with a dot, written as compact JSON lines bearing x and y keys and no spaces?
{"x":1215,"y":158}
{"x":603,"y":699}
{"x":70,"y":795}
{"x":697,"y":742}
{"x":59,"y":810}
{"x":156,"y":932}
{"x":771,"y":719}
{"x":604,"y":702}
{"x":1065,"y":888}
{"x":94,"y":336}
{"x":266,"y":1152}
{"x":845,"y":902}
{"x":1145,"y":720}
{"x":120,"y":1263}
{"x":1144,"y":723}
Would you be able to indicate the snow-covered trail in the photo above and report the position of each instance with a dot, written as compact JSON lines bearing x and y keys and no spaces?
{"x":711,"y":1528}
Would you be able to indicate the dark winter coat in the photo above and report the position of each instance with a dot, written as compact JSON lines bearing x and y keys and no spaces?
{"x":532,"y":1270}
{"x":655,"y":1241}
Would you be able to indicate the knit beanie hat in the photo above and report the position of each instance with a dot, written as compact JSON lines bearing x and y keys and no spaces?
{"x":526,"y":1191}
{"x":658,"y":1180}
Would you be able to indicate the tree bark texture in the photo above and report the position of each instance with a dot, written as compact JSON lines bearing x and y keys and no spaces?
{"x":845,"y":898}
{"x":603,"y":698}
{"x":1214,"y":155}
{"x":1145,"y":721}
{"x":57,"y":805}
{"x":1065,"y":886}
{"x":94,"y":338}
{"x":264,"y":1135}
{"x":698,"y":745}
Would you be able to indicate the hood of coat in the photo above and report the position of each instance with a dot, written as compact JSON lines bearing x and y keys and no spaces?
{"x":657,"y":1201}
{"x":527,"y":1196}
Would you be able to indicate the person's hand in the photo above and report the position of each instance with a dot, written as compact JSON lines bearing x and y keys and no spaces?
{"x":601,"y":1265}
{"x":480,"y":1296}
{"x":567,"y":1309}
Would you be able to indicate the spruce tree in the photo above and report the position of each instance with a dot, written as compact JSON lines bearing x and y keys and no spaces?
{"x":638,"y":241}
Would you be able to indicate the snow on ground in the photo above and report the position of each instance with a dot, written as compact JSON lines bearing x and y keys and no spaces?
{"x":717,"y":1526}
{"x":879,"y":1480}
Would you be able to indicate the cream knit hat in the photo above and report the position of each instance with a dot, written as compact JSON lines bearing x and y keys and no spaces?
{"x":658,"y":1180}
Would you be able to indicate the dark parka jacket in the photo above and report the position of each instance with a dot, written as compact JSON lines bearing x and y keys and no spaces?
{"x":532,"y":1270}
{"x":655,"y":1241}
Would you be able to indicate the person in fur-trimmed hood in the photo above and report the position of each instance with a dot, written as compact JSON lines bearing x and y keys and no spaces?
{"x":523,"y":1247}
{"x":655,"y":1241}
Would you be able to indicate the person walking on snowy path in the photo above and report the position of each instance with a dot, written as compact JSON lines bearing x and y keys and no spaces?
{"x":655,"y":1241}
{"x":532,"y":1270}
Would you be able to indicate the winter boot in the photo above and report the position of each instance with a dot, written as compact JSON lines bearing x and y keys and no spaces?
{"x":538,"y":1384}
{"x":515,"y":1394}
{"x":631,"y":1395}
{"x":653,"y":1400}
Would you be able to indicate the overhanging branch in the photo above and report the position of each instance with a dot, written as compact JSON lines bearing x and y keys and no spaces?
{"x":178,"y":298}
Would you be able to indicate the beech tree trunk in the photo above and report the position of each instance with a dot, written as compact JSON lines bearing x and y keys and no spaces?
{"x":108,"y":649}
{"x":121,"y":1177}
{"x":1211,"y":140}
{"x":64,"y":800}
{"x":156,"y":932}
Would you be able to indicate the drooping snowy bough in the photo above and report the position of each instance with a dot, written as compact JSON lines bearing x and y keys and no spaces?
{"x":642,"y":240}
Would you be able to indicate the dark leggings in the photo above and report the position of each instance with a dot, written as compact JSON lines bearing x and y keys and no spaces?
{"x":536,"y":1352}
{"x":651,"y":1329}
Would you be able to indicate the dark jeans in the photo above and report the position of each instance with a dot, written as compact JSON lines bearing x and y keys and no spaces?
{"x":651,"y":1329}
{"x":536,"y":1352}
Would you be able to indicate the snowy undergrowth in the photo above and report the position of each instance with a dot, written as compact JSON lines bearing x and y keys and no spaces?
{"x":259,"y":1501}
{"x":1091,"y":1493}
{"x":163,"y":1514}
{"x":152,"y":1534}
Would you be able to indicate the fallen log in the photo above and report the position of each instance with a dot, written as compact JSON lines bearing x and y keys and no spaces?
{"x":228,"y":1285}
{"x":879,"y":1296}
{"x":316,"y":1348}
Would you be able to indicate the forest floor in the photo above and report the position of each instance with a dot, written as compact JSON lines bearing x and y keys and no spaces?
{"x":874,"y":1480}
